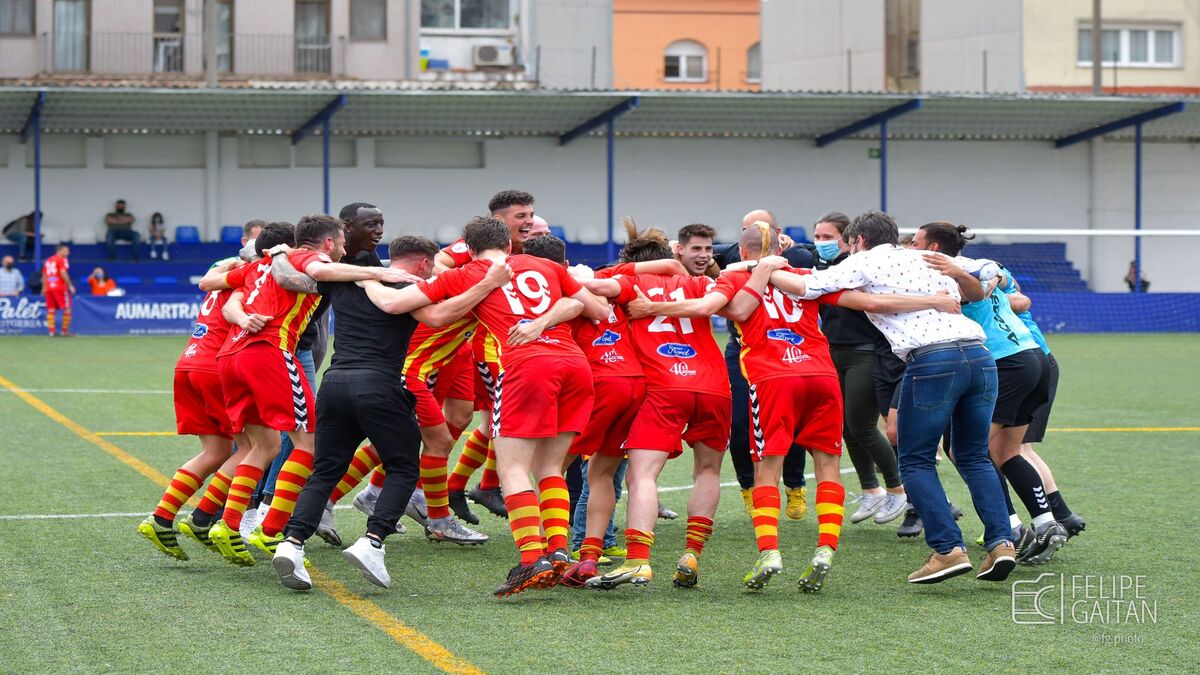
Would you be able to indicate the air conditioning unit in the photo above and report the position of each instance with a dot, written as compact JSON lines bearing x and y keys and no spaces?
{"x":490,"y":55}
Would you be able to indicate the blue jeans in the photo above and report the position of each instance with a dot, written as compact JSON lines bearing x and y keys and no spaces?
{"x":955,"y":386}
{"x":610,"y":535}
{"x":131,"y":236}
{"x":267,"y":486}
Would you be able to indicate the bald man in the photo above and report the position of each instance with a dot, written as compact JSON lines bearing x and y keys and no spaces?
{"x":739,"y":438}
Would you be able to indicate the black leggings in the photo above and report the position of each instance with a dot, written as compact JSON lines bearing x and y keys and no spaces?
{"x":353,"y":405}
{"x":739,"y":433}
{"x":868,"y":447}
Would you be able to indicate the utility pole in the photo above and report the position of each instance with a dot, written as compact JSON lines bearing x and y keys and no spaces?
{"x":1097,"y":57}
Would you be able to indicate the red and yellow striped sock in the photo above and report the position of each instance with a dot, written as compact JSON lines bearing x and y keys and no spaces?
{"x":525,"y":519}
{"x":699,"y":529}
{"x":292,"y":476}
{"x":556,"y":506}
{"x":183,"y":485}
{"x":490,"y":480}
{"x":766,"y":517}
{"x":365,"y":459}
{"x":378,"y":476}
{"x":433,"y":482}
{"x":241,"y":490}
{"x":473,"y":456}
{"x":591,"y":548}
{"x":637,"y":547}
{"x":214,"y":496}
{"x":831,"y":498}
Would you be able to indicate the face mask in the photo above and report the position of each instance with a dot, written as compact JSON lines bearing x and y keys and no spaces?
{"x":828,"y":250}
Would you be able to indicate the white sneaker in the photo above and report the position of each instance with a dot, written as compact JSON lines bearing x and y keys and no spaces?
{"x":289,"y":565}
{"x":365,"y":500}
{"x":893,"y":507}
{"x":868,"y":505}
{"x":252,"y":519}
{"x":369,"y":560}
{"x":326,"y":530}
{"x":417,"y":508}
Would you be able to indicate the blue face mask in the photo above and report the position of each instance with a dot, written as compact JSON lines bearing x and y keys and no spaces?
{"x":828,"y":250}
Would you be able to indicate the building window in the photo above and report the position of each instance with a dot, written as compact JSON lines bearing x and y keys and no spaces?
{"x":368,"y":19}
{"x":168,"y":36}
{"x":16,"y":17}
{"x":754,"y":63}
{"x":1139,"y":47}
{"x":313,"y":47}
{"x":466,"y":14}
{"x":685,"y":61}
{"x":71,"y":36}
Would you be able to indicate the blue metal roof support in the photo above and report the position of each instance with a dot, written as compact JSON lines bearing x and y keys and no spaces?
{"x":878,"y":118}
{"x":322,"y":119}
{"x":604,"y":117}
{"x":33,"y":125}
{"x":1132,"y":120}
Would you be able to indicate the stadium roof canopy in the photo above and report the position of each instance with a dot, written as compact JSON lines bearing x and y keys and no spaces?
{"x":555,"y":113}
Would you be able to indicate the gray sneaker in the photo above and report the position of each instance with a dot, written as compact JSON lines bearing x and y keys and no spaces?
{"x":892,"y":508}
{"x":449,"y":529}
{"x":868,"y":505}
{"x":417,"y":509}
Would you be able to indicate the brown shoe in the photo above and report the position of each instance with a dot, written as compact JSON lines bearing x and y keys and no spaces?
{"x":999,"y":562}
{"x":941,"y":566}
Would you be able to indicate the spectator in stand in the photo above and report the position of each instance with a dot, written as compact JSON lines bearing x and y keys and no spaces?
{"x":1132,"y":277}
{"x":21,"y":232}
{"x":12,"y":282}
{"x":158,"y":237}
{"x":100,"y":282}
{"x":120,"y":228}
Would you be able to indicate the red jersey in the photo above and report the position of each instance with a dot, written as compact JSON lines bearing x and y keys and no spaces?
{"x":535,"y":286}
{"x":54,"y":273}
{"x":459,"y":252}
{"x":429,"y":349}
{"x":289,"y":310}
{"x":675,"y":353}
{"x":782,"y":337}
{"x":606,"y":344}
{"x":211,"y":329}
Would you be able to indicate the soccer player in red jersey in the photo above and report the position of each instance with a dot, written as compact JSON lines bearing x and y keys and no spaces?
{"x":58,"y":289}
{"x":687,"y":398}
{"x":795,"y":397}
{"x":543,"y":393}
{"x":265,"y":390}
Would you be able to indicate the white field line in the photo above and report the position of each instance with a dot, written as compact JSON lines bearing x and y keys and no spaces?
{"x":71,"y":516}
{"x":91,"y":391}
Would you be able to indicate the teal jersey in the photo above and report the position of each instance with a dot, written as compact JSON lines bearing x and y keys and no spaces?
{"x":1026,"y":317}
{"x":1006,"y":334}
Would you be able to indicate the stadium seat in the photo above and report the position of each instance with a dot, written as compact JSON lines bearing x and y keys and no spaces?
{"x":231,"y":234}
{"x":559,"y":231}
{"x":797,"y":234}
{"x":190,"y":234}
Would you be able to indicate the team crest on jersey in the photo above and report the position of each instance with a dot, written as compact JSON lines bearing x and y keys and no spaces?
{"x":676,"y":350}
{"x":199,"y":331}
{"x":785,"y":335}
{"x":609,"y":339}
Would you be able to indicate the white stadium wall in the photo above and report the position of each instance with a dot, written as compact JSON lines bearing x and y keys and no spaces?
{"x":431,"y":186}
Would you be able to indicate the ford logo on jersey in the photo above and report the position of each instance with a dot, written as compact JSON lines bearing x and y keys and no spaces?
{"x":609,"y":339}
{"x":676,"y":350}
{"x":784,"y":335}
{"x":200,"y":330}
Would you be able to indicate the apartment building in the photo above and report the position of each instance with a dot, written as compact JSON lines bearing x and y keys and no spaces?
{"x":686,"y":44}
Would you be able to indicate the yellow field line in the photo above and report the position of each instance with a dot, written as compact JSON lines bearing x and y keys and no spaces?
{"x":1125,"y":429}
{"x":404,"y":635}
{"x":136,"y":433}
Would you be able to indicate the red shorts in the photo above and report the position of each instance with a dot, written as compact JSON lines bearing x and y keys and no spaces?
{"x":542,"y":397}
{"x":264,"y":386}
{"x":200,"y":405}
{"x":806,"y":411}
{"x":615,"y":406}
{"x":57,"y":298}
{"x":456,"y":379}
{"x":668,"y":415}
